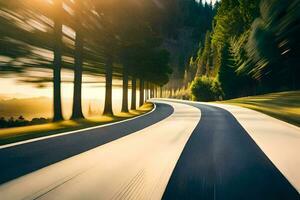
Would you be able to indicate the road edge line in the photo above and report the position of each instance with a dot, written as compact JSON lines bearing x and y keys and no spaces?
{"x":75,"y":131}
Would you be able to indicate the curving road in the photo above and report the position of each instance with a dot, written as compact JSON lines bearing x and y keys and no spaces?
{"x":181,"y":150}
{"x":22,"y":159}
{"x":221,"y":161}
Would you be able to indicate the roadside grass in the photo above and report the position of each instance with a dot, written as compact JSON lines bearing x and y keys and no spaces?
{"x":11,"y":135}
{"x":283,"y":105}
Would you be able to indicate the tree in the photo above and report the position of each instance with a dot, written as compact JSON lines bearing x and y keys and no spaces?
{"x":57,"y":62}
{"x":227,"y":76}
{"x":77,"y":97}
{"x":108,"y":87}
{"x":108,"y":19}
{"x":133,"y":93}
{"x":29,"y":26}
{"x":125,"y":91}
{"x":141,"y":88}
{"x":273,"y":48}
{"x":232,"y":83}
{"x":206,"y":56}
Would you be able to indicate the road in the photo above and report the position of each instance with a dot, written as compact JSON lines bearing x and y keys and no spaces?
{"x":23,"y":159}
{"x":181,"y":150}
{"x":221,"y":161}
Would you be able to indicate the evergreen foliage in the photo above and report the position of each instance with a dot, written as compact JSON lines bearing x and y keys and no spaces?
{"x":254,"y":47}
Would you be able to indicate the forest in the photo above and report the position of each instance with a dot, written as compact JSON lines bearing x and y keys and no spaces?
{"x":170,"y":48}
{"x":253,"y":48}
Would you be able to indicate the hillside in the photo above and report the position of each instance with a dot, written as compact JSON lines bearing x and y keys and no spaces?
{"x":283,"y":105}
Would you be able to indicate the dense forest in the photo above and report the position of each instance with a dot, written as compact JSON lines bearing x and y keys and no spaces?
{"x":167,"y":48}
{"x":253,"y":48}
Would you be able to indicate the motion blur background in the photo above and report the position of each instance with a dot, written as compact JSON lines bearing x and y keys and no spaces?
{"x":238,"y":48}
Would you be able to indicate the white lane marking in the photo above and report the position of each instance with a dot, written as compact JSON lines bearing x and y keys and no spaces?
{"x":280,"y":141}
{"x":137,"y":166}
{"x":71,"y":132}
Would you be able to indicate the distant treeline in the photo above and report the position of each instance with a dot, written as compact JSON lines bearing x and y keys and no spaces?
{"x":253,"y":48}
{"x":21,"y":121}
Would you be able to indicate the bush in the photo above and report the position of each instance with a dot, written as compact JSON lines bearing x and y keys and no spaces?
{"x":206,"y":89}
{"x":183,"y":93}
{"x":21,"y":121}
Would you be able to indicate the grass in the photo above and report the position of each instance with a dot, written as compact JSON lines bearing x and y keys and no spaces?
{"x":283,"y":105}
{"x":11,"y":135}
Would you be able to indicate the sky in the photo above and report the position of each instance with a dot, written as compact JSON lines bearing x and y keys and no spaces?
{"x":16,"y":89}
{"x":213,"y":1}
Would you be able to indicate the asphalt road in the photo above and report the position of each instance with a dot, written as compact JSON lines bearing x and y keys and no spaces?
{"x":137,"y":166}
{"x":221,"y":161}
{"x":180,"y":151}
{"x":22,"y":159}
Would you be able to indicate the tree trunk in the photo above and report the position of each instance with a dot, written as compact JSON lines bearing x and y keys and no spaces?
{"x":77,"y":100}
{"x":108,"y":89}
{"x":141,"y":92}
{"x":57,"y":62}
{"x":125,"y":91}
{"x":151,"y":91}
{"x":161,"y":92}
{"x":147,"y":91}
{"x":133,"y":94}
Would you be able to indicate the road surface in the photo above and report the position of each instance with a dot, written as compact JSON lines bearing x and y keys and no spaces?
{"x":221,"y":161}
{"x":182,"y":150}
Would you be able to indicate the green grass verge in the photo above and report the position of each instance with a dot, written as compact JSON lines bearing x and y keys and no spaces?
{"x":283,"y":105}
{"x":11,"y":135}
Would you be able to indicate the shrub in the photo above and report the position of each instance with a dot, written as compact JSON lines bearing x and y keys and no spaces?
{"x":21,"y":121}
{"x":183,"y":93}
{"x":206,"y":89}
